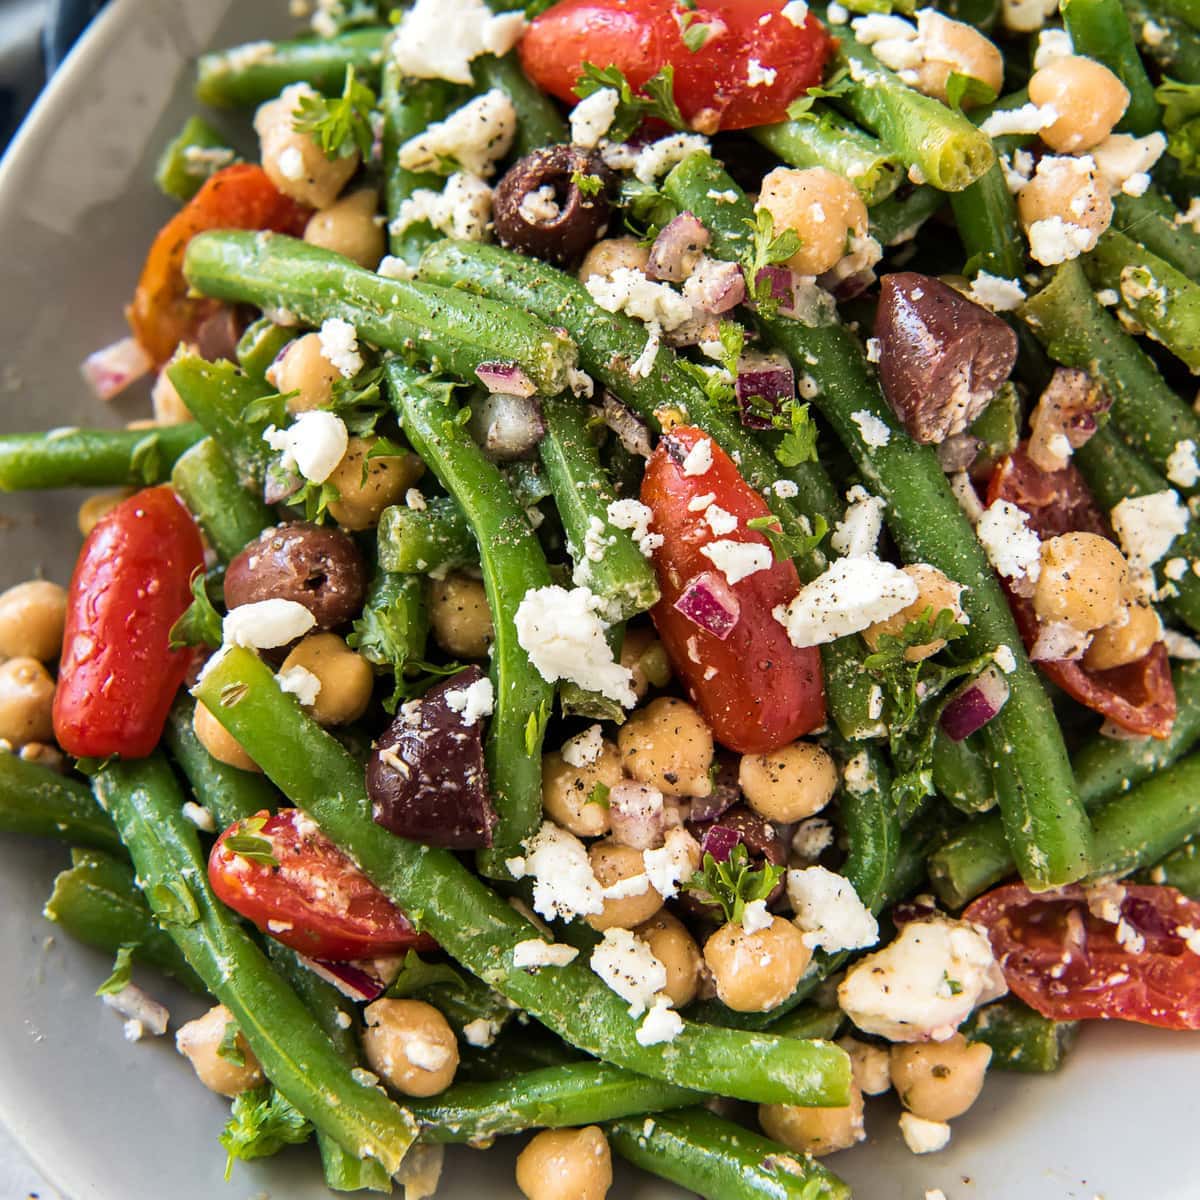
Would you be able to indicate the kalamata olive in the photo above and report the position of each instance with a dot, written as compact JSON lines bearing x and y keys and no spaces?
{"x":941,"y":356}
{"x":760,"y":839}
{"x":426,"y":777}
{"x":319,"y":567}
{"x":540,"y":209}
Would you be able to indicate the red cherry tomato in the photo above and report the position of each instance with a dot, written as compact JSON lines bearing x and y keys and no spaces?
{"x":118,"y":676}
{"x":316,"y":900}
{"x":238,"y":197}
{"x":756,"y":690}
{"x":1069,"y":965}
{"x":1139,"y":697}
{"x":754,"y":63}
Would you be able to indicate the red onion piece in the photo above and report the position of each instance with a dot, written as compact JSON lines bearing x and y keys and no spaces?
{"x":630,"y":428}
{"x":707,"y":600}
{"x":638,"y":815}
{"x":677,"y":249}
{"x":768,"y":378}
{"x":974,"y":704}
{"x":357,"y":981}
{"x":110,"y":371}
{"x":716,"y":286}
{"x":783,"y":286}
{"x":719,"y":841}
{"x":507,"y":426}
{"x":506,"y":377}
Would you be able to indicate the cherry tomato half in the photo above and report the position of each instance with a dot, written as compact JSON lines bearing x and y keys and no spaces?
{"x":1070,"y":964}
{"x":118,"y":676}
{"x":238,"y":197}
{"x":315,"y":900}
{"x":756,"y":690}
{"x":1139,"y":697}
{"x":752,"y":64}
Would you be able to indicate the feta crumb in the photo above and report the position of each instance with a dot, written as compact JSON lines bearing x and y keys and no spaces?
{"x":314,"y":444}
{"x":673,"y":862}
{"x":874,"y":432}
{"x":1108,"y":297}
{"x":414,"y":498}
{"x":755,"y":917}
{"x":759,"y":76}
{"x":290,"y":162}
{"x":785,"y":489}
{"x":1029,"y":118}
{"x":812,"y":838}
{"x":300,"y":682}
{"x":1180,"y":646}
{"x":391,"y":267}
{"x":737,"y":560}
{"x":827,"y":909}
{"x":659,"y":157}
{"x":662,"y":1023}
{"x":934,"y":1194}
{"x":630,"y":968}
{"x":140,"y":1009}
{"x":1147,"y":525}
{"x":481,"y":1031}
{"x":700,"y":503}
{"x":1053,"y":241}
{"x":629,"y":290}
{"x":539,"y":206}
{"x":580,"y":383}
{"x":796,"y":11}
{"x":1012,"y":547}
{"x":874,"y":349}
{"x":635,"y":516}
{"x":1182,"y":468}
{"x":922,"y":1136}
{"x":439,"y":39}
{"x":472,"y":702}
{"x":1176,"y":569}
{"x":1005,"y":659}
{"x":856,"y":535}
{"x":534,"y":953}
{"x":339,"y":346}
{"x":199,"y":816}
{"x":266,"y":624}
{"x":869,"y":1066}
{"x":474,"y":137}
{"x":463,"y":209}
{"x":997,"y":293}
{"x":966,"y":495}
{"x":564,"y":884}
{"x":591,"y":118}
{"x":1058,"y":641}
{"x":1124,"y":161}
{"x":584,"y":748}
{"x":850,"y":595}
{"x":838,"y":14}
{"x":1052,"y":44}
{"x":699,"y":459}
{"x":719,"y":520}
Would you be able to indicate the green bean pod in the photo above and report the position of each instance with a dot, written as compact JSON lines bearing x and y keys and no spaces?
{"x":538,"y":120}
{"x":208,"y":484}
{"x":434,"y":538}
{"x":899,"y":218}
{"x":188,"y":159}
{"x":36,"y":800}
{"x":1021,"y":1039}
{"x":961,"y":774}
{"x":261,"y":345}
{"x":1179,"y":869}
{"x":810,"y":1021}
{"x":1153,"y":220}
{"x":1100,"y":30}
{"x":871,"y":824}
{"x":985,"y":215}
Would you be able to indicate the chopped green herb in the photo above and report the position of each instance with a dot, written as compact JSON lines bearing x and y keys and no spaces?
{"x":799,"y":442}
{"x":246,"y":843}
{"x":695,"y":32}
{"x":122,"y":973}
{"x":599,"y":794}
{"x":589,"y":185}
{"x":766,"y":249}
{"x":342,"y":125}
{"x":658,"y":99}
{"x":1181,"y":120}
{"x":174,"y":903}
{"x":784,"y":546}
{"x":953,"y":984}
{"x":535,"y":728}
{"x":200,"y":624}
{"x":416,"y":975}
{"x":961,"y":88}
{"x":733,"y":884}
{"x":230,"y":1048}
{"x":261,"y":1124}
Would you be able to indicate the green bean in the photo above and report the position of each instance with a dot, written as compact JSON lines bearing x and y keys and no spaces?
{"x":538,"y":120}
{"x":456,"y":331}
{"x":998,"y":427}
{"x":145,"y":802}
{"x":1115,"y":472}
{"x":871,"y":825}
{"x":1185,"y":10}
{"x":1179,"y":869}
{"x":810,"y":1021}
{"x":190,"y":157}
{"x":36,"y":800}
{"x":261,"y":345}
{"x":1021,"y":1039}
{"x":934,"y":142}
{"x":513,"y":564}
{"x":247,"y":75}
{"x":824,"y":138}
{"x":898,"y":218}
{"x":577,"y":1094}
{"x":74,"y":457}
{"x":97,"y":902}
{"x":421,"y":540}
{"x":1043,"y":819}
{"x":721,"y":1161}
{"x":479,"y":929}
{"x":394,"y":626}
{"x":208,"y":484}
{"x":985,"y":216}
{"x":1153,"y":293}
{"x":1153,"y":220}
{"x":618,"y":572}
{"x":1100,"y":30}
{"x":961,"y":774}
{"x":1177,"y":51}
{"x":1077,"y":332}
{"x":530,"y":1048}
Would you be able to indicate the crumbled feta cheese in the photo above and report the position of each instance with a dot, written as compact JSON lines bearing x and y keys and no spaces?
{"x":584,"y":748}
{"x":856,"y":535}
{"x":391,"y":267}
{"x":700,"y":503}
{"x":314,"y":443}
{"x":300,"y":682}
{"x":591,"y":118}
{"x":266,"y":624}
{"x":1147,"y":525}
{"x":1052,"y":44}
{"x":737,"y":560}
{"x":1182,"y":468}
{"x":699,"y":459}
{"x":535,"y":953}
{"x":873,"y":431}
{"x":922,"y":1136}
{"x":474,"y":137}
{"x":785,"y":489}
{"x":140,"y":1009}
{"x":659,"y":157}
{"x":1018,"y":169}
{"x":290,"y":163}
{"x":662,"y":1023}
{"x":795,"y":11}
{"x":870,"y":1065}
{"x":1053,"y":240}
{"x":1012,"y":547}
{"x":924,"y":984}
{"x":966,"y":495}
{"x":481,"y":1032}
{"x":1029,"y":118}
{"x":1005,"y":659}
{"x":630,"y":968}
{"x":827,"y":909}
{"x":339,"y":346}
{"x":199,"y":816}
{"x":759,"y":76}
{"x":414,"y":498}
{"x":1176,"y":569}
{"x":728,"y":196}
{"x":539,"y":206}
{"x":1124,"y":161}
{"x":811,"y":839}
{"x":463,"y":209}
{"x":755,"y":917}
{"x":439,"y":39}
{"x":1180,"y":646}
{"x":1058,"y":641}
{"x":850,"y":595}
{"x":673,"y":862}
{"x":426,"y":1055}
{"x":564,"y":885}
{"x":719,"y":520}
{"x":635,"y":517}
{"x":1108,"y":297}
{"x":628,"y":290}
{"x":472,"y":702}
{"x":997,"y":293}
{"x":837,"y":14}
{"x":563,"y":635}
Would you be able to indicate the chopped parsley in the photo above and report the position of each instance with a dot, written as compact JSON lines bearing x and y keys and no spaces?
{"x":122,"y":972}
{"x":247,"y":844}
{"x":785,"y":546}
{"x":341,"y":125}
{"x":200,"y":624}
{"x":261,"y":1124}
{"x":230,"y":1048}
{"x":766,"y":249}
{"x":1181,"y":120}
{"x":734,"y":883}
{"x":657,"y":98}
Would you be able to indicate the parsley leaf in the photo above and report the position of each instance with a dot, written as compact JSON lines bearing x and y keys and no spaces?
{"x":416,"y":975}
{"x":122,"y":972}
{"x":799,"y":442}
{"x":391,"y":630}
{"x":732,"y":337}
{"x":766,"y":249}
{"x":535,"y":728}
{"x":342,"y":125}
{"x":1181,"y":119}
{"x":955,"y":988}
{"x":695,"y":32}
{"x":314,"y":499}
{"x":261,"y":1124}
{"x":960,"y":88}
{"x":657,"y":100}
{"x":733,"y":884}
{"x":200,"y":624}
{"x":230,"y":1048}
{"x":838,"y":84}
{"x":246,"y":843}
{"x":599,"y":794}
{"x":588,"y":185}
{"x":785,"y":546}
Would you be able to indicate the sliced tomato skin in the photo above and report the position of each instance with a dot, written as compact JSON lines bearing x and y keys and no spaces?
{"x":1139,"y":697}
{"x":1100,"y":979}
{"x":316,"y":900}
{"x":237,"y":197}
{"x":713,"y":83}
{"x":756,"y":690}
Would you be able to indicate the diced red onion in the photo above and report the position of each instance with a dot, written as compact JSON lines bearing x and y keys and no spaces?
{"x":629,"y":427}
{"x":507,"y":377}
{"x":783,"y":287}
{"x":280,"y":484}
{"x":918,"y":909}
{"x":638,"y":815}
{"x":508,"y":426}
{"x":719,"y":841}
{"x":357,"y":981}
{"x":110,"y":371}
{"x":765,"y":377}
{"x":677,"y":249}
{"x":716,"y":286}
{"x":846,"y":287}
{"x":707,"y":600}
{"x":974,"y":704}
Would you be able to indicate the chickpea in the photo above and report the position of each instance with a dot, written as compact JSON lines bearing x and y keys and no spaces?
{"x":790,"y":783}
{"x":1065,"y":187}
{"x":823,"y":207}
{"x":612,"y":863}
{"x":566,"y":791}
{"x":32,"y":616}
{"x":954,"y":46}
{"x":410,"y":1046}
{"x":461,"y":618}
{"x":566,"y":1164}
{"x":669,"y":746}
{"x":868,"y":1065}
{"x":755,"y":972}
{"x":199,"y":1041}
{"x":219,"y":742}
{"x":644,"y":655}
{"x":96,"y":507}
{"x":1082,"y":582}
{"x":611,"y":254}
{"x":815,"y":1131}
{"x":676,"y":949}
{"x":293,"y":161}
{"x":303,"y":369}
{"x":939,"y":1080}
{"x":934,"y":591}
{"x":169,"y":408}
{"x":1088,"y":98}
{"x":26,"y":702}
{"x":346,"y":678}
{"x":361,"y":500}
{"x":351,"y":227}
{"x":1130,"y":637}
